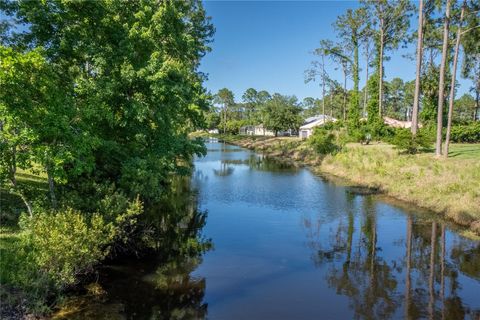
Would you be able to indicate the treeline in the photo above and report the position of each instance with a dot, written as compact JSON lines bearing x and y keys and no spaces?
{"x":398,"y":99}
{"x":275,"y":112}
{"x":97,"y":97}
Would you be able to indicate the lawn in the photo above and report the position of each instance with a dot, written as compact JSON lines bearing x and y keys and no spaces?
{"x":465,"y":151}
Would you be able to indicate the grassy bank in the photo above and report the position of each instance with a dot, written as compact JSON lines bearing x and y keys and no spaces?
{"x":450,"y":187}
{"x":11,"y":205}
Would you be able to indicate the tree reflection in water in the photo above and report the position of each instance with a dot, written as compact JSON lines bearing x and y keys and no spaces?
{"x":224,"y":170}
{"x":263,"y":163}
{"x":421,"y":281}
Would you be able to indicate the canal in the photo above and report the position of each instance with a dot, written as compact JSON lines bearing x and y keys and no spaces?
{"x":268,"y":240}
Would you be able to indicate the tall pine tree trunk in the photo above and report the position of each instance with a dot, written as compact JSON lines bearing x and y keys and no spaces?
{"x":477,"y":106}
{"x":323,"y":84}
{"x":380,"y":70}
{"x":416,"y":99}
{"x":331,"y":104}
{"x":344,"y":93}
{"x":452,"y":83}
{"x":365,"y":98}
{"x":51,"y":186}
{"x":355,"y":103}
{"x":441,"y":85}
{"x":225,"y":118}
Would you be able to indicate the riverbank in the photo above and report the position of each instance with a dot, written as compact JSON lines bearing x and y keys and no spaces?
{"x":450,"y":187}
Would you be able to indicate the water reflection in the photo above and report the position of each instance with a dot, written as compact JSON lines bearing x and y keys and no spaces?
{"x":262,"y":163}
{"x":424,"y":282}
{"x":224,"y":170}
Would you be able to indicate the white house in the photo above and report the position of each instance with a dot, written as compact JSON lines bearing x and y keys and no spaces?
{"x":309,"y":125}
{"x":260,"y":130}
{"x":257,"y":130}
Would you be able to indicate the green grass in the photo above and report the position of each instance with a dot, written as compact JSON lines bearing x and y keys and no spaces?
{"x":8,"y":240}
{"x":11,"y":207}
{"x":465,"y":151}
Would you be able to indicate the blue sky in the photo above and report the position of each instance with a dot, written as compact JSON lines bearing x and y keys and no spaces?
{"x":267,"y":45}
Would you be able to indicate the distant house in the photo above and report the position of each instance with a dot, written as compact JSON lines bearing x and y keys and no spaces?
{"x":398,"y":123}
{"x":258,"y":130}
{"x":213,"y":131}
{"x":246,"y":130}
{"x":311,"y":123}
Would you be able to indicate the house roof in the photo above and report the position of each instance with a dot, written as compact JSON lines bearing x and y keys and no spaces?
{"x":318,"y":121}
{"x":398,"y":123}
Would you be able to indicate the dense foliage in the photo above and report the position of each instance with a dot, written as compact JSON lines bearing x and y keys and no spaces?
{"x":98,"y":97}
{"x":323,"y":142}
{"x":466,"y":133}
{"x":281,"y":113}
{"x":406,"y":142}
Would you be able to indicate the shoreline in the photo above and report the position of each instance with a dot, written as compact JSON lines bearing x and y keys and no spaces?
{"x":332,"y":167}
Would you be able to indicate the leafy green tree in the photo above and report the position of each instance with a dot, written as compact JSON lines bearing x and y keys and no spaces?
{"x":250,"y":100}
{"x":225,"y":98}
{"x":212,"y":118}
{"x":318,"y":68}
{"x":471,"y":57}
{"x":464,"y":108}
{"x":429,"y":88}
{"x":133,"y":80}
{"x":20,"y":75}
{"x":335,"y":98}
{"x":101,"y":95}
{"x":111,"y":97}
{"x":35,"y":119}
{"x":473,"y":73}
{"x":253,"y":101}
{"x":282,"y":113}
{"x":416,"y":99}
{"x":339,"y":55}
{"x":395,"y":103}
{"x":311,"y":106}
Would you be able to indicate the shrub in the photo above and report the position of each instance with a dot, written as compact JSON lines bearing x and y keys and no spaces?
{"x":323,"y":142}
{"x":66,"y":244}
{"x":466,"y":133}
{"x":373,"y":130}
{"x":54,"y":250}
{"x":408,"y":143}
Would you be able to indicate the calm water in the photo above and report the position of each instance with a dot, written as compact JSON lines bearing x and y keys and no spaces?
{"x":287,"y":244}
